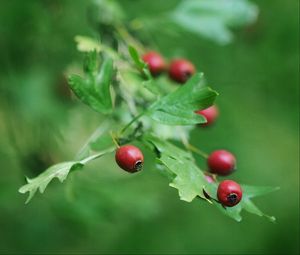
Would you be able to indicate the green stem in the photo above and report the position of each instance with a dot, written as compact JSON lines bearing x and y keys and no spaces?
{"x":114,"y":139}
{"x":190,"y":147}
{"x":131,"y":122}
{"x":196,"y":150}
{"x":101,"y":129}
{"x":97,"y":155}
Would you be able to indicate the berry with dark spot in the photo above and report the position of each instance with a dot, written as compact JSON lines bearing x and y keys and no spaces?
{"x":129,"y":158}
{"x":229,"y":193}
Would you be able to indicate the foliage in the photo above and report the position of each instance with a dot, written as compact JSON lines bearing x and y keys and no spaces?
{"x":116,"y":81}
{"x":191,"y":182}
{"x":213,"y":18}
{"x":167,"y":105}
{"x":94,"y":88}
{"x":59,"y":171}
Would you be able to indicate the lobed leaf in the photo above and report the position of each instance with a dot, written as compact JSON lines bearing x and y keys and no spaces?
{"x":178,"y":107}
{"x":140,"y":64}
{"x":253,"y":191}
{"x":59,"y":171}
{"x":188,"y":179}
{"x":94,"y":88}
{"x":81,"y":89}
{"x":246,"y":202}
{"x":103,"y":81}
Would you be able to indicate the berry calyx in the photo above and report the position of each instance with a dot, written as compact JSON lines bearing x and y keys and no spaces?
{"x":211,"y":113}
{"x":180,"y":70}
{"x":155,"y":62}
{"x":129,"y":158}
{"x":229,"y":193}
{"x":221,"y":162}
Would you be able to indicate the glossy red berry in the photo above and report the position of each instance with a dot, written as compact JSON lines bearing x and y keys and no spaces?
{"x":155,"y":62}
{"x":221,"y":162}
{"x":180,"y":70}
{"x":211,"y":113}
{"x":129,"y":158}
{"x":229,"y":193}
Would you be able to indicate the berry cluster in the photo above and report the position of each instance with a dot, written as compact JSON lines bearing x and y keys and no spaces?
{"x":220,"y":162}
{"x":180,"y":70}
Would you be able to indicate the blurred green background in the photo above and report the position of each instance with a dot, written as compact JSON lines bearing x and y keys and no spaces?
{"x":103,"y":210}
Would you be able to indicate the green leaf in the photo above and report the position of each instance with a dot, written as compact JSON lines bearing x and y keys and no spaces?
{"x":250,"y":207}
{"x":231,"y":212}
{"x":94,"y":88}
{"x":164,"y":132}
{"x":91,"y":63}
{"x":253,"y":191}
{"x":191,"y":182}
{"x":103,"y":81}
{"x":178,"y":107}
{"x":247,"y":205}
{"x":246,"y":202}
{"x":213,"y":19}
{"x":86,"y":94}
{"x":140,"y":64}
{"x":188,"y":179}
{"x":184,"y":118}
{"x":40,"y":183}
{"x":59,"y":171}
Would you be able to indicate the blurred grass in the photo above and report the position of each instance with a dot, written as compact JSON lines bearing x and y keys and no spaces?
{"x":103,"y":210}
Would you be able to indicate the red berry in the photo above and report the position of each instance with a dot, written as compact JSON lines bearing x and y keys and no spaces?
{"x":210,"y":114}
{"x":221,"y":162}
{"x":129,"y":158}
{"x":180,"y":70}
{"x":155,"y":62}
{"x":229,"y":193}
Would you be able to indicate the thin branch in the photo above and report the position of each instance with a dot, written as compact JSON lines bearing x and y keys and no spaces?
{"x":94,"y":135}
{"x":189,"y":146}
{"x":131,"y":122}
{"x":98,"y":155}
